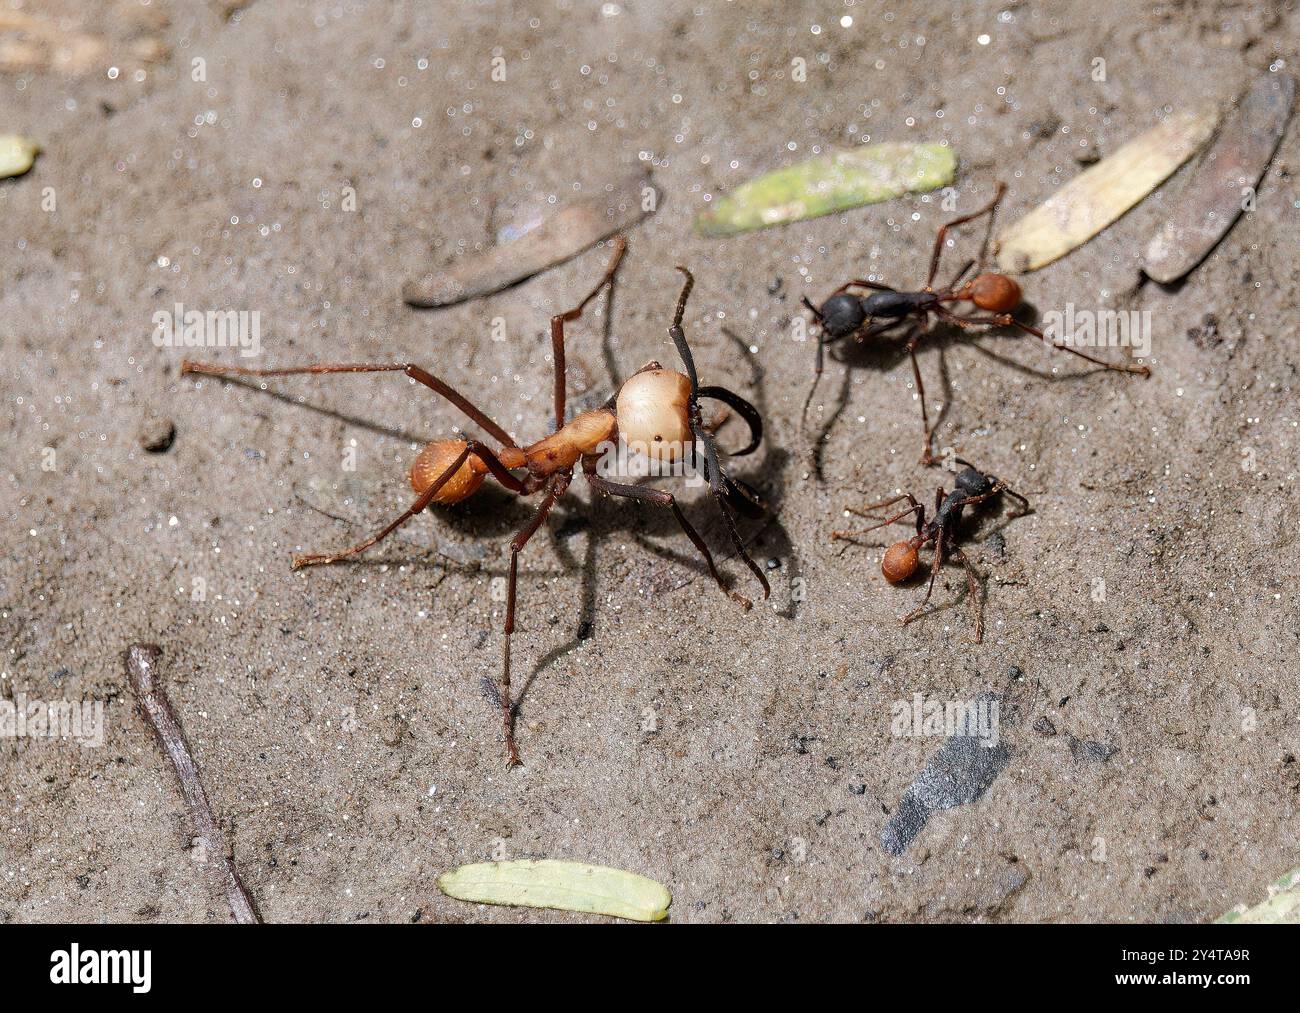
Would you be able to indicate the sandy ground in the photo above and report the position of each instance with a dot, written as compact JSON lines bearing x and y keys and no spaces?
{"x":746,"y":760}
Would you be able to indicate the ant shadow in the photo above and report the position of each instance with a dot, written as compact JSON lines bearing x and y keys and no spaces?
{"x":647,"y":524}
{"x":352,"y":420}
{"x":887,"y":353}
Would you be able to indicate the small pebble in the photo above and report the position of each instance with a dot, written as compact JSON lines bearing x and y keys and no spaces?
{"x":157,"y":435}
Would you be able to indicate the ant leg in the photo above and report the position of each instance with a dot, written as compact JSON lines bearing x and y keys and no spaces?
{"x":943,"y":234}
{"x":975,"y":589}
{"x":822,"y":341}
{"x":988,"y":232}
{"x":646,"y":494}
{"x":920,"y":610}
{"x":477,"y":449}
{"x":915,"y":508}
{"x":866,"y":511}
{"x":818,"y":365}
{"x":999,"y":487}
{"x":1007,"y":320}
{"x":960,"y":274}
{"x":1003,"y":487}
{"x":926,"y":457}
{"x":414,"y":372}
{"x":556,"y":490}
{"x":863,"y":283}
{"x":560,"y":319}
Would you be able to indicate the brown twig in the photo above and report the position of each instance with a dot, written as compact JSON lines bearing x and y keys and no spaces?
{"x":142,"y":671}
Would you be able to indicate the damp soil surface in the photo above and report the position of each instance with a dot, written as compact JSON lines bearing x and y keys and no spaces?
{"x":302,"y":160}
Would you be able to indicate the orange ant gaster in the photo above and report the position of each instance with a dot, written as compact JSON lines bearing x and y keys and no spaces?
{"x":655,"y":411}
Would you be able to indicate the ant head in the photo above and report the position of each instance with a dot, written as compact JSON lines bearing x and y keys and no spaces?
{"x":974,"y":482}
{"x":900,"y":562}
{"x":994,"y":292}
{"x":654,"y":408}
{"x":841,"y":314}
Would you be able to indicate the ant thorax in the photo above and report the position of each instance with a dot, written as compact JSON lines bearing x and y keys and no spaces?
{"x":653,"y":409}
{"x":582,"y":435}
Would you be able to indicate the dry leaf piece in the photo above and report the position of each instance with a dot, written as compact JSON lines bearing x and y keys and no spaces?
{"x":16,"y":155}
{"x":568,"y":232}
{"x":830,"y":183}
{"x":1213,"y":200}
{"x":562,"y":886}
{"x":1101,"y":194}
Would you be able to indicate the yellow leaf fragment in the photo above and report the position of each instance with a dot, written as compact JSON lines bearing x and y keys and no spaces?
{"x":1101,"y":194}
{"x":563,"y":886}
{"x":16,"y":155}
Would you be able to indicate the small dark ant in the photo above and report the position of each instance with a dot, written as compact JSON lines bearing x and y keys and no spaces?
{"x":845,"y":315}
{"x":656,"y":411}
{"x":972,"y":488}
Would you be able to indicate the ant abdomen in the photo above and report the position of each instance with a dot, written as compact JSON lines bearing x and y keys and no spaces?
{"x":994,"y":292}
{"x":900,"y":562}
{"x":436,"y":458}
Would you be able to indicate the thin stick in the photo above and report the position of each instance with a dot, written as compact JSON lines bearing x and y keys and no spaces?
{"x":141,"y":670}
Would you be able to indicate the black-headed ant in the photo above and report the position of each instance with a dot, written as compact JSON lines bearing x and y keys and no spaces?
{"x":972,"y":488}
{"x":848,"y":315}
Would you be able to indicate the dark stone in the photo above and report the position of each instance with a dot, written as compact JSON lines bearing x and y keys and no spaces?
{"x":1089,"y":751}
{"x":157,"y":435}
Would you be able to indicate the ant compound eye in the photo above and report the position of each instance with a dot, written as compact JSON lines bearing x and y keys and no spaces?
{"x":653,"y":409}
{"x":900,"y":562}
{"x":995,"y":292}
{"x":842,"y":314}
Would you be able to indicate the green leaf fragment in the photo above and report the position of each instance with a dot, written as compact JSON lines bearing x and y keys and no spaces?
{"x":1282,"y":906}
{"x":16,"y":155}
{"x":563,"y":886}
{"x":830,"y":183}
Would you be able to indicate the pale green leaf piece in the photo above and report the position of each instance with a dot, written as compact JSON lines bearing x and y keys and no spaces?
{"x":16,"y":155}
{"x":829,"y":183}
{"x":563,"y":886}
{"x":1281,"y":908}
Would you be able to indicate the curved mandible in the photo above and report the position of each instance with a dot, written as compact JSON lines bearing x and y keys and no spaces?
{"x":742,"y":408}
